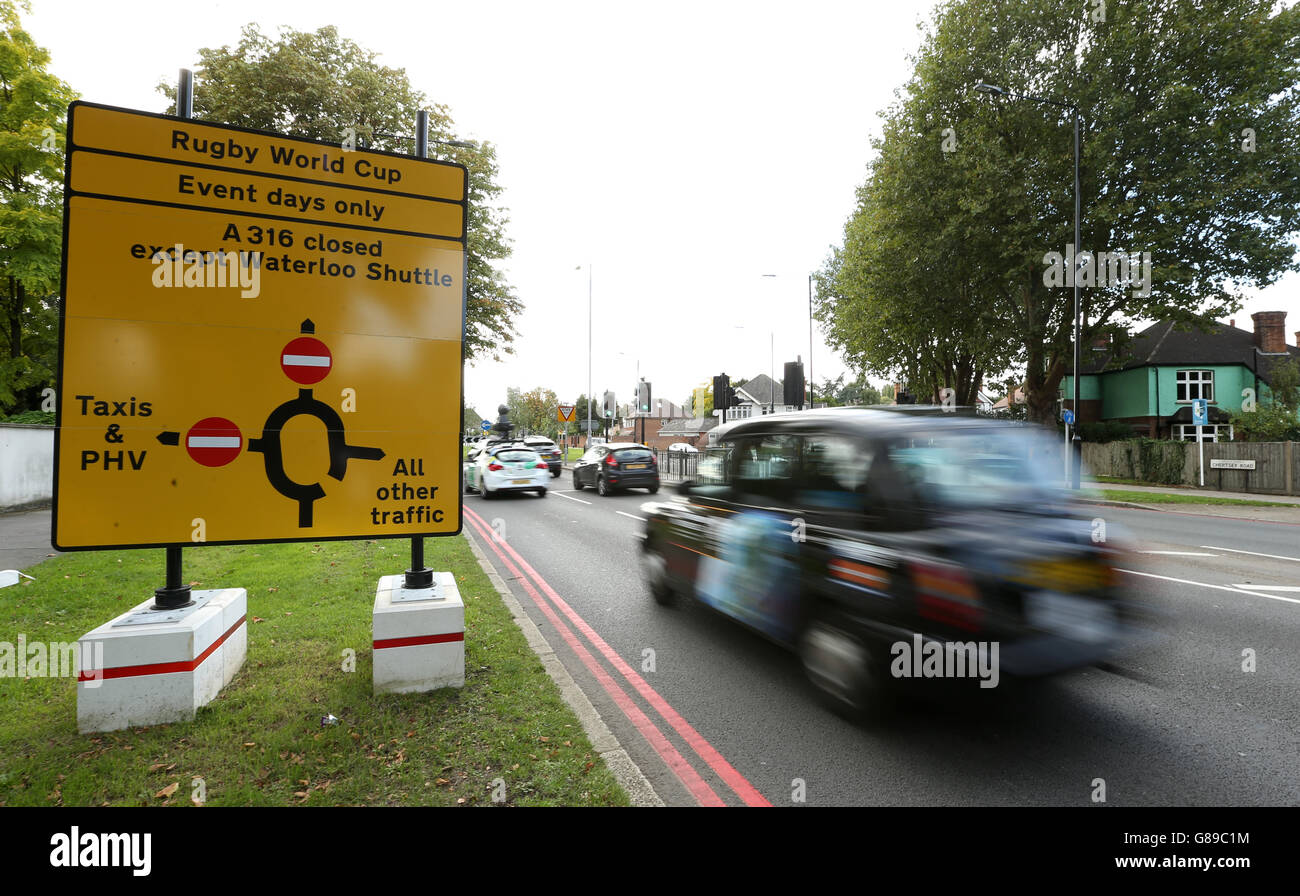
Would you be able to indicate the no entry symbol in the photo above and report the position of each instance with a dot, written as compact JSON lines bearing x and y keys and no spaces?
{"x":214,"y":441}
{"x":306,"y":360}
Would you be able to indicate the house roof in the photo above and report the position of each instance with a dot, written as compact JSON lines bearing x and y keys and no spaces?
{"x":1164,"y":344}
{"x":763,"y":390}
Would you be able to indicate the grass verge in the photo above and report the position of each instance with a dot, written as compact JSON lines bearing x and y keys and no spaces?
{"x":1164,"y":498}
{"x":505,"y":737}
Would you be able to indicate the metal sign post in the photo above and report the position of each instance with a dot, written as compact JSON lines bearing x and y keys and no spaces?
{"x":1200,"y":412}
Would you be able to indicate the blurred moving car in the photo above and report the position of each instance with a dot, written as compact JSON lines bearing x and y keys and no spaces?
{"x":618,"y":465}
{"x":549,"y":451}
{"x":874,"y":541}
{"x":506,"y":466}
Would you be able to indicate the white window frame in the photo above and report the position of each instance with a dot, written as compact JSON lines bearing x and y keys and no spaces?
{"x":1211,"y":432}
{"x":1203,"y":381}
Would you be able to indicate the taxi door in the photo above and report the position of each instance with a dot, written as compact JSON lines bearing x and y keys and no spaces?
{"x":749,"y":567}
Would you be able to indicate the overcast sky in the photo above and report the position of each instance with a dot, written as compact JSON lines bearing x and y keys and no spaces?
{"x":683,"y":150}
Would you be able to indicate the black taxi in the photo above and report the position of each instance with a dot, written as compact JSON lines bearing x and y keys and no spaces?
{"x":873,"y":541}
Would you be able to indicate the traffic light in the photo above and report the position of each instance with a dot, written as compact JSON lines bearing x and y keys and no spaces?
{"x":794,"y":384}
{"x":610,"y":406}
{"x":643,"y":397}
{"x":731,"y":400}
{"x":721,"y":392}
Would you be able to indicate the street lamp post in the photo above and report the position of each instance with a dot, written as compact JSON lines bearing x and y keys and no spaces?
{"x":1076,"y":442}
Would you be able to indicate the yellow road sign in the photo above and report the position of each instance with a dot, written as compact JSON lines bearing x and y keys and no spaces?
{"x":263,"y":195}
{"x":565,"y":413}
{"x":236,"y":149}
{"x":228,"y":375}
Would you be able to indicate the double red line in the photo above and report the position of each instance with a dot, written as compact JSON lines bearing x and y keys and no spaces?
{"x":552,"y":610}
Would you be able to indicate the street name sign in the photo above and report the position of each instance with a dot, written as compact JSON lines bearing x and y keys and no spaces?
{"x":1225,"y":464}
{"x":261,"y":337}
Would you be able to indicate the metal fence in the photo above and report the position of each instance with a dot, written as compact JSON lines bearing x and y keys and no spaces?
{"x":676,"y":464}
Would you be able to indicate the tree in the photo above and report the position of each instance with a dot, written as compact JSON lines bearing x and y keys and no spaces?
{"x":701,"y":401}
{"x":1191,"y":152}
{"x":33,"y":112}
{"x":533,"y":412}
{"x":320,"y":86}
{"x":471,"y":421}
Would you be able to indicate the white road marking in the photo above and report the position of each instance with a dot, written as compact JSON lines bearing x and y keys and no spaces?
{"x":570,"y":497}
{"x":1179,"y":553}
{"x":621,"y":513}
{"x":1253,"y":553}
{"x":1267,"y":587}
{"x":1151,"y":575}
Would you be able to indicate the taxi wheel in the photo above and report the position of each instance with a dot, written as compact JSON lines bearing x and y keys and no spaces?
{"x":601,"y":488}
{"x":541,"y":493}
{"x":577,"y":483}
{"x":847,"y":672}
{"x":487,"y":493}
{"x":655,"y":569}
{"x":653,"y":489}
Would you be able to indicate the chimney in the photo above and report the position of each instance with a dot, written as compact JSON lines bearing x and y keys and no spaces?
{"x":1270,"y":331}
{"x":1233,"y":322}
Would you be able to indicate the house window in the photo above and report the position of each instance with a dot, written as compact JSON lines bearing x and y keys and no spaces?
{"x":1194,"y":384}
{"x":1186,"y":432}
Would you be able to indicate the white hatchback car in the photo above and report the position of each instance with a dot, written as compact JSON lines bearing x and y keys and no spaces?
{"x":506,"y":467}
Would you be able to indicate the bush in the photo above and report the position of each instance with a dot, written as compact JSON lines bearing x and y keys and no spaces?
{"x":1105,"y":431}
{"x":1158,"y":462}
{"x":41,"y":417}
{"x":1267,"y":423}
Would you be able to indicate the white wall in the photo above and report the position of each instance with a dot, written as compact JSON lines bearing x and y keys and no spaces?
{"x":26,"y":464}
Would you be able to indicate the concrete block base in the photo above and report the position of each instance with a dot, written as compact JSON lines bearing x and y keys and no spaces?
{"x":150,"y":672}
{"x":419,"y":636}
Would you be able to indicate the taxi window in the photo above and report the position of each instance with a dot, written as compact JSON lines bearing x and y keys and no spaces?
{"x":516,"y":454}
{"x":766,"y":465}
{"x":834,"y":466}
{"x":712,"y":468}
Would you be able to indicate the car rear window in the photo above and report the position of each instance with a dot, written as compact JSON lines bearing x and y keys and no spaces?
{"x":633,"y":455}
{"x":516,"y":454}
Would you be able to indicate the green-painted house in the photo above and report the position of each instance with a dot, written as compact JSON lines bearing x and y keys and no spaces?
{"x":1149,"y":382}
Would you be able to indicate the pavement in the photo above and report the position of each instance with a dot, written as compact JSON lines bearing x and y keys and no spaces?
{"x":25,"y":538}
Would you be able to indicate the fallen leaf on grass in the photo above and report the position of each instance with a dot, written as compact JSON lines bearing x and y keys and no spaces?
{"x":258,"y":619}
{"x":250,"y":744}
{"x":441,"y":781}
{"x":167,"y":791}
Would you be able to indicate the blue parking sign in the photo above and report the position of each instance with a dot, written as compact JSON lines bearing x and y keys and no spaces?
{"x":487,"y":424}
{"x":1200,"y":411}
{"x":1068,"y":416}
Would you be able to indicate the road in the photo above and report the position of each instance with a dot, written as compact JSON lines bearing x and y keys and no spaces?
{"x":716,"y":715}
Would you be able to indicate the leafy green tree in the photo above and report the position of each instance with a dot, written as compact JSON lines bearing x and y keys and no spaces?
{"x":533,"y":412}
{"x":700,"y":402}
{"x":471,"y":422}
{"x":1284,"y":384}
{"x":33,"y":111}
{"x":1266,"y":423}
{"x":1191,"y":152}
{"x":321,"y":86}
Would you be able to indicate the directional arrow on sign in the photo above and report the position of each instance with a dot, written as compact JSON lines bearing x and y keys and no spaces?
{"x":169,"y":438}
